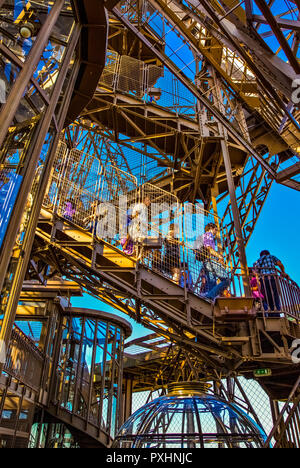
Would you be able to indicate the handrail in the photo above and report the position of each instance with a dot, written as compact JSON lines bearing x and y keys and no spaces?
{"x":286,"y":422}
{"x":92,"y":198}
{"x":29,"y":342}
{"x":102,"y":213}
{"x":274,"y":293}
{"x":24,"y":361}
{"x":133,"y":77}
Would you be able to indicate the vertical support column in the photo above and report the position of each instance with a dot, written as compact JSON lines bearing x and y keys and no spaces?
{"x":120,"y":404}
{"x":6,"y":116}
{"x":275,"y":411}
{"x":236,"y":216}
{"x":9,"y":109}
{"x":231,"y":188}
{"x":92,"y":372}
{"x":216,"y":218}
{"x":22,"y":261}
{"x":127,"y":407}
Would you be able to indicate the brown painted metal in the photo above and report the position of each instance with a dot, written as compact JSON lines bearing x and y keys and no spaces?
{"x":93,"y":45}
{"x":171,"y":312}
{"x":8,"y":111}
{"x":219,"y":116}
{"x":269,"y":89}
{"x":36,"y":147}
{"x":23,"y":260}
{"x":286,"y":430}
{"x":278,"y":33}
{"x":272,"y":93}
{"x":285,"y":174}
{"x":71,"y":260}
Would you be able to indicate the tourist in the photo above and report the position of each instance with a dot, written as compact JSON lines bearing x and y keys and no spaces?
{"x":255,"y":284}
{"x":265,"y":266}
{"x":171,"y":260}
{"x":69,"y":209}
{"x":127,"y":242}
{"x":213,"y":270}
{"x":186,"y":279}
{"x":127,"y":245}
{"x":140,"y":219}
{"x":90,"y":222}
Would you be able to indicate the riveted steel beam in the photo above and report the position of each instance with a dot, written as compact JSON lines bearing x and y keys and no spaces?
{"x":195,"y":91}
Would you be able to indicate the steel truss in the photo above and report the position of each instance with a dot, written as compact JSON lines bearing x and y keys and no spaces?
{"x":177,"y":148}
{"x":231,"y":98}
{"x":151,"y":364}
{"x":158,"y":304}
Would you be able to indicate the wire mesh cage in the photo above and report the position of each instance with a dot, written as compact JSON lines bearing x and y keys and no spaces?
{"x":55,"y":175}
{"x":170,"y":92}
{"x":182,"y":242}
{"x":204,"y":250}
{"x":136,"y":11}
{"x":150,"y":83}
{"x":28,"y":206}
{"x":110,"y":70}
{"x":118,"y":193}
{"x":187,"y":417}
{"x":160,"y":231}
{"x":74,"y":187}
{"x":131,"y":76}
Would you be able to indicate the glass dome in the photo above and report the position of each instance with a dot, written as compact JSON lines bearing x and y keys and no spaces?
{"x":189,"y":418}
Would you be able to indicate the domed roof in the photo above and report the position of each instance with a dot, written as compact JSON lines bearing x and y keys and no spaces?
{"x":189,"y":418}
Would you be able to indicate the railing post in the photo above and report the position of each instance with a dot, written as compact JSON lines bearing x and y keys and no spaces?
{"x":145,"y":82}
{"x":60,"y":181}
{"x":116,"y":74}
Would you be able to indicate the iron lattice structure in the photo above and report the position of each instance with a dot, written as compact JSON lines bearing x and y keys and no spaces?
{"x":184,"y":84}
{"x":177,"y":76}
{"x":196,"y":103}
{"x":189,"y":419}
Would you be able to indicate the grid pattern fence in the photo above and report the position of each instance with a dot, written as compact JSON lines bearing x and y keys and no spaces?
{"x":182,"y":242}
{"x":24,"y":362}
{"x":150,"y":83}
{"x":256,"y":397}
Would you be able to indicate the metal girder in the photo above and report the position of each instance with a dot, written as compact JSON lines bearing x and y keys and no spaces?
{"x":173,"y":326}
{"x":197,"y":44}
{"x":175,"y":138}
{"x":226,"y":27}
{"x":252,"y":192}
{"x":163,"y":306}
{"x":109,"y":4}
{"x":285,"y":174}
{"x":282,"y":23}
{"x":92,"y":141}
{"x":72,"y":267}
{"x":194,"y":90}
{"x":286,"y":431}
{"x":293,"y":184}
{"x":278,"y":33}
{"x":230,"y":39}
{"x":202,"y":49}
{"x":247,"y":30}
